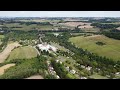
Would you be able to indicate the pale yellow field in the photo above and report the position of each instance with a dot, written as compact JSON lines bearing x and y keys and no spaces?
{"x":3,"y":68}
{"x":74,"y":24}
{"x":7,"y":50}
{"x":35,"y":77}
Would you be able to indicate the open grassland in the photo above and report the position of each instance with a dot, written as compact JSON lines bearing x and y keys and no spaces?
{"x":111,"y":49}
{"x":1,"y":37}
{"x":25,"y":52}
{"x":5,"y":53}
{"x":96,"y":76}
{"x":3,"y":68}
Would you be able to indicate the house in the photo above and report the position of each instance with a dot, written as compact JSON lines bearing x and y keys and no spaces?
{"x":83,"y":78}
{"x":88,"y":68}
{"x":56,"y":34}
{"x":67,"y":68}
{"x":57,"y":77}
{"x":57,"y":60}
{"x":117,"y":73}
{"x":82,"y":66}
{"x":73,"y":71}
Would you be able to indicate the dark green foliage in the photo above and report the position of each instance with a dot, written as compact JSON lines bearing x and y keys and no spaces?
{"x":61,"y":71}
{"x":105,"y":26}
{"x":21,"y":35}
{"x":49,"y":76}
{"x":100,"y":43}
{"x":25,"y":68}
{"x":113,"y":34}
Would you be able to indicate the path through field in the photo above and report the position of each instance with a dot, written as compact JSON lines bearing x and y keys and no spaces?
{"x":3,"y":68}
{"x":7,"y":50}
{"x":35,"y":77}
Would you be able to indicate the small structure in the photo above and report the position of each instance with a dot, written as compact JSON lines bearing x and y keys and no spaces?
{"x":57,"y":61}
{"x":56,"y":34}
{"x":73,"y":71}
{"x":82,"y":66}
{"x":67,"y":68}
{"x":46,"y":47}
{"x":88,"y":68}
{"x":117,"y":73}
{"x":57,"y":77}
{"x":83,"y":78}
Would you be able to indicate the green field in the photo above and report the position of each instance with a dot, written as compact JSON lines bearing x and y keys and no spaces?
{"x":111,"y":49}
{"x":1,"y":36}
{"x":25,"y":52}
{"x":96,"y":76}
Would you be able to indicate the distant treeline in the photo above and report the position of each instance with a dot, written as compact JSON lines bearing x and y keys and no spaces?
{"x":112,"y":34}
{"x":105,"y":26}
{"x":27,"y":23}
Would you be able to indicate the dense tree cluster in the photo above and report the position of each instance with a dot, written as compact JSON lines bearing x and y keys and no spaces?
{"x":105,"y":26}
{"x":61,"y":71}
{"x":25,"y":68}
{"x":21,"y":35}
{"x":112,"y":34}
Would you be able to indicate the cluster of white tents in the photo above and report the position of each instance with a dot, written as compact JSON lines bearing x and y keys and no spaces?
{"x":46,"y":47}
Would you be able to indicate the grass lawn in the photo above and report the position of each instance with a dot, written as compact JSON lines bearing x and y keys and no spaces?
{"x":1,"y":36}
{"x":111,"y":49}
{"x":22,"y":53}
{"x":96,"y":76}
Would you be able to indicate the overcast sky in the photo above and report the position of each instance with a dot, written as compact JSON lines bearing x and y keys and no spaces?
{"x":59,"y":13}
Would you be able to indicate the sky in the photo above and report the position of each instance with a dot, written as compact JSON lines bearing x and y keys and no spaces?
{"x":59,"y":13}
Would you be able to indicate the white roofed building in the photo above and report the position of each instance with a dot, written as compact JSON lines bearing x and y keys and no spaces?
{"x":46,"y":47}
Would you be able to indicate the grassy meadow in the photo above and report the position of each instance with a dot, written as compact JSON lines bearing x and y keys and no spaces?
{"x":111,"y":49}
{"x":25,"y":52}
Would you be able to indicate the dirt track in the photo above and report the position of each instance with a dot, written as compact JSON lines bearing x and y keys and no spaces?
{"x":35,"y":77}
{"x":3,"y":68}
{"x":7,"y":50}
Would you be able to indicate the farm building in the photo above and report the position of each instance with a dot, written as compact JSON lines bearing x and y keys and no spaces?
{"x":46,"y":47}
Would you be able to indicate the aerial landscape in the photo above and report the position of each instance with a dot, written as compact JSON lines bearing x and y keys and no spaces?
{"x":59,"y":47}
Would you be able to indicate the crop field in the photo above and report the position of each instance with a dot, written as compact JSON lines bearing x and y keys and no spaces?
{"x":17,"y":26}
{"x":74,"y":24}
{"x":111,"y":49}
{"x":25,"y":52}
